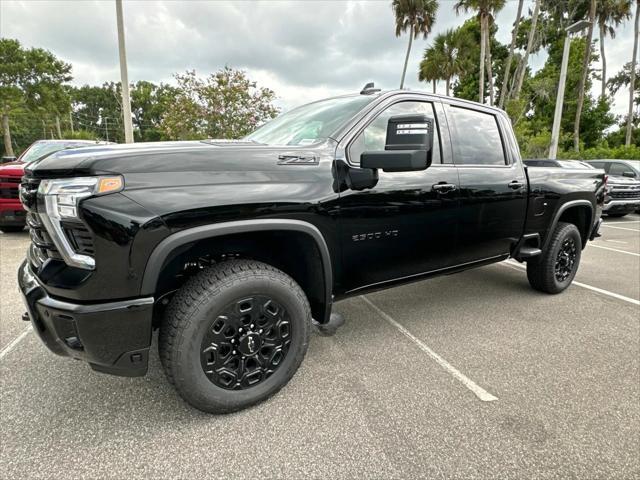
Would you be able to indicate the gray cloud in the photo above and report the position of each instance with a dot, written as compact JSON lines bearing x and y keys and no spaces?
{"x":301,"y":49}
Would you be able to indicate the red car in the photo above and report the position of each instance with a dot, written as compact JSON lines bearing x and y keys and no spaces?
{"x":12,"y":215}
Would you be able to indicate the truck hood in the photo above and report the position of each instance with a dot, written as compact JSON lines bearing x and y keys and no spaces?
{"x":620,"y":180}
{"x":12,"y":169}
{"x":187,"y":156}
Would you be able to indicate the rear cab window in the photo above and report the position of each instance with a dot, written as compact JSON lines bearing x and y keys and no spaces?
{"x":475,"y":137}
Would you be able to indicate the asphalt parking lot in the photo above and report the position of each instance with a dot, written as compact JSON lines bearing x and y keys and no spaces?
{"x":466,"y":376}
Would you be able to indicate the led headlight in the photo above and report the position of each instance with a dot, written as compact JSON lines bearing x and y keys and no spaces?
{"x":61,"y":199}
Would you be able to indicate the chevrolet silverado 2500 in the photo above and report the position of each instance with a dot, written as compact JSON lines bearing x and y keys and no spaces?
{"x":234,"y":249}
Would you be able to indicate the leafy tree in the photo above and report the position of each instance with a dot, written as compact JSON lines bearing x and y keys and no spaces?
{"x":149,"y":102}
{"x":99,"y":110}
{"x":418,"y":17}
{"x":486,"y":9}
{"x":610,"y":14}
{"x":31,"y":82}
{"x":225,"y":104}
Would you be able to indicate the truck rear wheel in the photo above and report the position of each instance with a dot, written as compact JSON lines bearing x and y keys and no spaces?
{"x":554,"y":270}
{"x":234,"y":335}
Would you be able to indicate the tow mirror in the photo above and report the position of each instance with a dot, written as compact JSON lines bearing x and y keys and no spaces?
{"x":409,"y":145}
{"x":629,"y":174}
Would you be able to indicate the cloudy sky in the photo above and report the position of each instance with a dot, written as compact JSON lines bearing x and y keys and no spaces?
{"x":303,"y":50}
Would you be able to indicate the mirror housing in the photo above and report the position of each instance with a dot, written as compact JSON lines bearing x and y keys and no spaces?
{"x":628,"y":174}
{"x":408,"y":147}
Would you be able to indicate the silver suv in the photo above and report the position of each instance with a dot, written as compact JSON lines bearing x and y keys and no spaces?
{"x":624,"y":186}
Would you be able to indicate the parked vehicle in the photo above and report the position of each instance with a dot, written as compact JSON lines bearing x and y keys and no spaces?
{"x":230,"y":248}
{"x":545,"y":162}
{"x":12,"y":215}
{"x":624,"y":186}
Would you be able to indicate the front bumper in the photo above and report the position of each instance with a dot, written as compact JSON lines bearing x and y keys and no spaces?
{"x":112,"y":337}
{"x":12,"y":214}
{"x":621,"y":206}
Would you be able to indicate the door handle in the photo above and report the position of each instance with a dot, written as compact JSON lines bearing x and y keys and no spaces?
{"x":515,"y":185}
{"x":444,"y":187}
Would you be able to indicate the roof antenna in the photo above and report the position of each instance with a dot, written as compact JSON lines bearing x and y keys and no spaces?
{"x":369,"y":88}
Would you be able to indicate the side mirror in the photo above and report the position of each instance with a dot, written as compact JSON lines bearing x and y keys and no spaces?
{"x":629,"y":174}
{"x":409,"y":145}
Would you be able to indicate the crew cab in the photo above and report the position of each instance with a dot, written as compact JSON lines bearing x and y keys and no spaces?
{"x":235,"y":249}
{"x":12,"y":215}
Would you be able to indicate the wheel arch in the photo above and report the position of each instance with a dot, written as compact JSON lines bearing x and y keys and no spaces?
{"x":306,"y":238}
{"x":578,"y":212}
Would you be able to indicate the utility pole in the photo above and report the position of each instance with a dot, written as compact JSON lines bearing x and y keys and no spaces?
{"x":106,"y":127}
{"x":124,"y":77}
{"x":71,"y":121}
{"x":557,"y":117}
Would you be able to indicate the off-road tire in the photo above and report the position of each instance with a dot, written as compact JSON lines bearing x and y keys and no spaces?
{"x":190,"y":314}
{"x":541,"y":270}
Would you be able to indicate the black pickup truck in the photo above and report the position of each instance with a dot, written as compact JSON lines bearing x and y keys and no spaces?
{"x":235,"y":249}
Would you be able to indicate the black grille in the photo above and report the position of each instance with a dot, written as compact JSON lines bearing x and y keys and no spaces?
{"x":42,"y":247}
{"x":634,"y":194}
{"x":80,"y":238}
{"x":9,"y":187}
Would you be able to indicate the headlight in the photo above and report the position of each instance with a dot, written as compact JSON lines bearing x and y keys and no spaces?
{"x":62,"y":198}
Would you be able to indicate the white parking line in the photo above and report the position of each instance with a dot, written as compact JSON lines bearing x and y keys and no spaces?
{"x":14,"y":342}
{"x":623,"y":221}
{"x":614,"y":250}
{"x":633,"y":301}
{"x":479,"y":392}
{"x":617,"y":241}
{"x":622,"y":228}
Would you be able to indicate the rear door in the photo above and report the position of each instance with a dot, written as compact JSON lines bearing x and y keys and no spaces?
{"x":407,"y":224}
{"x":493,"y":184}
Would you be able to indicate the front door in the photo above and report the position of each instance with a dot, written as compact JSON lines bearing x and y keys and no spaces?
{"x":406,"y":225}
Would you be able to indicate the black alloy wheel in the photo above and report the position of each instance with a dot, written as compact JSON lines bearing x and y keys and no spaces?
{"x":246,"y":343}
{"x":566,"y":259}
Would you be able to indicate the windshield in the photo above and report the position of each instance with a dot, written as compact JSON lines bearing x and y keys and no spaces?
{"x":40,"y":149}
{"x":308,"y":124}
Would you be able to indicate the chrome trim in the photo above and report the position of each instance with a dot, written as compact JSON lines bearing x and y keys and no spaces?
{"x":59,"y":238}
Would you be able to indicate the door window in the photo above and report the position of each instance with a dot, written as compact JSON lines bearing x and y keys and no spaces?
{"x":374,"y":136}
{"x":475,"y":138}
{"x":620,"y":169}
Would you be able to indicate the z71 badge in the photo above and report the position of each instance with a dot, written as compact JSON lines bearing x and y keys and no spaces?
{"x":374,"y":235}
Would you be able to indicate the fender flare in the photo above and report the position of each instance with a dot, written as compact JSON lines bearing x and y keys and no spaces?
{"x":561,"y":209}
{"x":162,"y":251}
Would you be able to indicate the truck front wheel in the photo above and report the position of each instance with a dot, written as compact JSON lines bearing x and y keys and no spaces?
{"x":554,"y":270}
{"x":234,"y":335}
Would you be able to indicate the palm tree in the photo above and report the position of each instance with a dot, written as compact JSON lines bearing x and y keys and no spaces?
{"x":418,"y":17}
{"x":430,"y":67}
{"x":507,"y":67}
{"x":632,"y":83}
{"x":586,"y":60}
{"x":485,"y":9}
{"x":610,"y":14}
{"x":522,"y":68}
{"x":446,"y":58}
